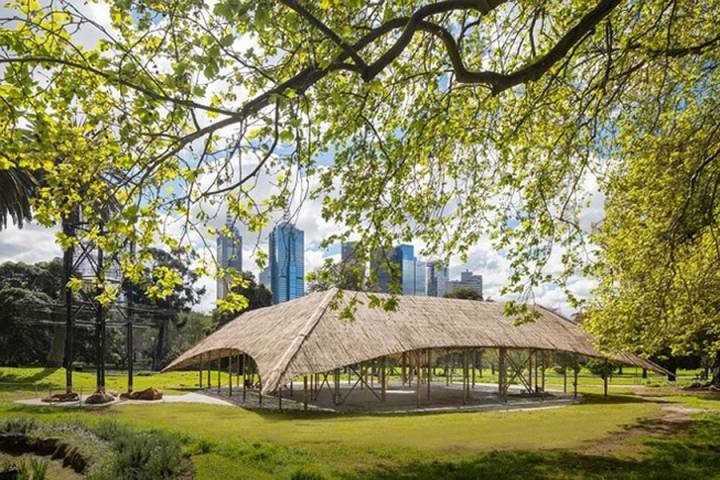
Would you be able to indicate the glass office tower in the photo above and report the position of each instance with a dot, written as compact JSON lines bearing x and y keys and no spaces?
{"x":287,"y":263}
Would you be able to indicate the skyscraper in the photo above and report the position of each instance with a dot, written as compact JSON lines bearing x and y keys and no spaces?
{"x":229,"y":255}
{"x":420,"y":275}
{"x":399,"y":261}
{"x":404,"y":258}
{"x":436,"y":278}
{"x":469,"y":280}
{"x":287,"y":262}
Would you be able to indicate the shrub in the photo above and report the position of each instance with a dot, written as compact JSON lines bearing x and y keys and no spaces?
{"x":18,"y":425}
{"x":142,"y":455}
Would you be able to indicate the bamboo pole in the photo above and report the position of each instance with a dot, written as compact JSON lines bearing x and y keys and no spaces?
{"x":201,"y":371}
{"x":417,"y":380}
{"x":230,"y":376}
{"x":305,"y":393}
{"x":465,"y":376}
{"x":429,"y":372}
{"x":218,"y":376}
{"x":501,"y":374}
{"x":576,"y":369}
{"x":244,"y":375}
{"x":383,"y":379}
{"x":403,"y":374}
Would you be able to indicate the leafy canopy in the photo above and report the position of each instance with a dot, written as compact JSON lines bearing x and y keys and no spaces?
{"x":441,"y":121}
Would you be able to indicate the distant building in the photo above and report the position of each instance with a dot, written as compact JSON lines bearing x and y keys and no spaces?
{"x":379,"y":266}
{"x":229,"y":255}
{"x":436,"y":278}
{"x":287,"y":263}
{"x":347,"y":251}
{"x":400,"y":261}
{"x":467,"y":280}
{"x":404,"y":258}
{"x":265,"y":278}
{"x":420,"y":278}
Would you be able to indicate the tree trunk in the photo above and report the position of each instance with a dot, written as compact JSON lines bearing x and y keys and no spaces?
{"x":716,"y":370}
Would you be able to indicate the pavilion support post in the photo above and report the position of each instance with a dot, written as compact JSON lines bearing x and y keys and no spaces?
{"x":466,"y":377}
{"x":280,"y":398}
{"x":564,"y":375}
{"x":447,"y":369}
{"x":542,"y":378}
{"x":536,"y":364}
{"x":501,"y":374}
{"x":403,"y":374}
{"x":305,"y":393}
{"x":230,"y":376}
{"x":336,"y":381}
{"x":576,"y":370}
{"x":474,"y":363}
{"x":383,"y":379}
{"x":237,"y":374}
{"x":530,"y":371}
{"x":209,"y":369}
{"x":292,"y":381}
{"x":218,"y":375}
{"x":417,"y":379}
{"x":480,"y":363}
{"x":428,"y":373}
{"x":363,"y":381}
{"x":244,"y":376}
{"x":201,"y":372}
{"x":260,"y":394}
{"x":372,"y":373}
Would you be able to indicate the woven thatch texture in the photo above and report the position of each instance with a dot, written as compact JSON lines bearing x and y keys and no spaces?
{"x":307,"y":336}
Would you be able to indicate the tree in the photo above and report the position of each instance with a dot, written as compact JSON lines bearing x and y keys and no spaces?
{"x":344,"y":275}
{"x":17,"y":187}
{"x":257,"y":295}
{"x":446,"y":120}
{"x":467,"y":293}
{"x":166,"y":310}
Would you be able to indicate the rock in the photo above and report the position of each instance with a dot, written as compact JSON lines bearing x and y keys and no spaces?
{"x":98,"y":398}
{"x":62,"y":397}
{"x":147,"y":394}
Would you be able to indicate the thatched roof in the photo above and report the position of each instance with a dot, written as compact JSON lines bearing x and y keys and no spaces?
{"x":307,"y":336}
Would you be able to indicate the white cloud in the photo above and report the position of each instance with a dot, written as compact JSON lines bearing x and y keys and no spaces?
{"x":32,"y":243}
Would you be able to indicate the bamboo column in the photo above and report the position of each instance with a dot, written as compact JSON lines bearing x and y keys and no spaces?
{"x":543,"y":372}
{"x":230,"y":375}
{"x":576,"y":369}
{"x":530,"y":371}
{"x":403,"y":373}
{"x":474,"y":362}
{"x":429,"y":371}
{"x":280,"y":398}
{"x":201,"y":371}
{"x":305,"y":393}
{"x":383,"y":379}
{"x":466,"y":376}
{"x":244,"y":376}
{"x":417,"y":379}
{"x":336,"y":381}
{"x":218,"y":376}
{"x":564,"y":377}
{"x":501,"y":373}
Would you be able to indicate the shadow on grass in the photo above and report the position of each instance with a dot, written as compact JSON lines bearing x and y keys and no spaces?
{"x":692,"y":452}
{"x":14,"y":382}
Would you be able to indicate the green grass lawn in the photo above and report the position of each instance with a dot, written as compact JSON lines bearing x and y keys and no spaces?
{"x":598,"y":438}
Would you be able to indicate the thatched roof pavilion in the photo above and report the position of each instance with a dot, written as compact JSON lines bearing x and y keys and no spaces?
{"x":307,"y":336}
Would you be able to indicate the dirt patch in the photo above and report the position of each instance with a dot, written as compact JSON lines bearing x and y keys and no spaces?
{"x":670,"y":420}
